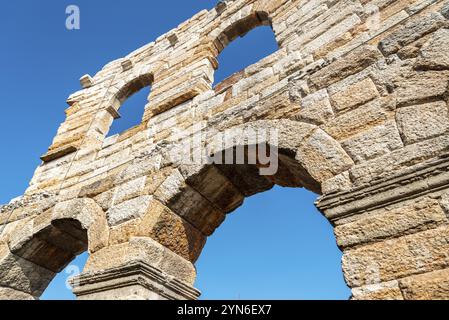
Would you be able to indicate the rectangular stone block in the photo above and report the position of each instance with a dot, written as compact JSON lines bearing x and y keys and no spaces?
{"x":323,"y":157}
{"x":171,"y":231}
{"x":128,"y":210}
{"x":381,"y":291}
{"x":399,"y":159}
{"x":434,"y":54}
{"x":397,"y":258}
{"x":373,"y":143}
{"x":375,"y":227}
{"x":129,"y":190}
{"x":332,"y":33}
{"x":345,"y":66}
{"x":316,"y":108}
{"x":421,"y":87}
{"x":355,"y":95}
{"x":358,"y":120}
{"x":189,"y":204}
{"x":427,"y":286}
{"x":411,"y":31}
{"x":420,"y":122}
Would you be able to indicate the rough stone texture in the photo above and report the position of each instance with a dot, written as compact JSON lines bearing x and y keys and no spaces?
{"x":411,"y":31}
{"x":355,"y":95}
{"x":353,"y":63}
{"x":128,"y":210}
{"x":21,"y":275}
{"x":142,"y":249}
{"x":356,"y":110}
{"x":373,"y":143}
{"x":12,"y":294}
{"x":421,"y":87}
{"x":428,"y":286}
{"x":423,"y":215}
{"x":433,"y":54}
{"x":316,"y":108}
{"x":394,"y":259}
{"x":417,"y":123}
{"x":384,"y":291}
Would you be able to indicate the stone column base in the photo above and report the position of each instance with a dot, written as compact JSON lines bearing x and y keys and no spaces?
{"x":136,"y":280}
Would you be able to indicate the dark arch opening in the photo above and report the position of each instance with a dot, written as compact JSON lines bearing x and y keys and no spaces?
{"x":239,"y":45}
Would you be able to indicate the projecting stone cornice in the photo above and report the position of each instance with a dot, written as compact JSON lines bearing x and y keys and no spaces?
{"x":430,"y":177}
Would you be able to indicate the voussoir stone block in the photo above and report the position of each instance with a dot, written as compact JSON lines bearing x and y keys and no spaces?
{"x":358,"y":120}
{"x":21,"y":275}
{"x":11,"y":294}
{"x":323,"y":165}
{"x":421,"y":87}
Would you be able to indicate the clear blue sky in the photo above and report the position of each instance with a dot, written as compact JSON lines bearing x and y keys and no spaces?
{"x":276,"y":246}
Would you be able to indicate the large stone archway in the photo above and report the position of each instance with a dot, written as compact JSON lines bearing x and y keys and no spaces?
{"x":355,"y":99}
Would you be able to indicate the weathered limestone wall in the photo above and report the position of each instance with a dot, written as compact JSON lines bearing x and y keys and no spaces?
{"x":358,"y":92}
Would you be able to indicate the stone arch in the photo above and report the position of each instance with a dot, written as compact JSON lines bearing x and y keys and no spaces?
{"x":43,"y":246}
{"x":203,"y":194}
{"x":117,"y":94}
{"x":124,"y":89}
{"x":238,"y":25}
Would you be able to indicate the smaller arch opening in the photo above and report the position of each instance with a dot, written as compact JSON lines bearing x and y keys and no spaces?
{"x":131,"y":101}
{"x":243,"y":44}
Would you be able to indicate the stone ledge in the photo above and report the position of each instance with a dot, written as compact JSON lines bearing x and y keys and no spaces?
{"x":431,"y":177}
{"x":136,"y":273}
{"x":58,"y":153}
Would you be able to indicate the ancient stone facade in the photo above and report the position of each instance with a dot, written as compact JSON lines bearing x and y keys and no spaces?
{"x":358,"y":97}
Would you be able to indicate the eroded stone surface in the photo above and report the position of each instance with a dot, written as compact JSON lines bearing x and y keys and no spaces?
{"x":421,"y":122}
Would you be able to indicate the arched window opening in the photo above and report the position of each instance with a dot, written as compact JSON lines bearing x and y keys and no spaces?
{"x":241,"y":47}
{"x":131,"y":112}
{"x":131,"y":101}
{"x":276,"y":246}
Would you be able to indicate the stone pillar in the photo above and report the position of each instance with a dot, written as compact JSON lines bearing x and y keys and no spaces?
{"x":394,"y":234}
{"x":140,"y":269}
